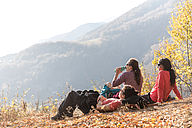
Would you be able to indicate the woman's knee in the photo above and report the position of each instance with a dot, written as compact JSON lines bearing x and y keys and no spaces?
{"x":72,"y":93}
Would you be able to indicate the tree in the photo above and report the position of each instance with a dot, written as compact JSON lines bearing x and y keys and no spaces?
{"x":178,"y":48}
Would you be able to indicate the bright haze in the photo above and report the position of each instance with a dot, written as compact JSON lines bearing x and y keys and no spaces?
{"x":27,"y":22}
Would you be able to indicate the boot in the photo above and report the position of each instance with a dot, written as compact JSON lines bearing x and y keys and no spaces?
{"x":58,"y":116}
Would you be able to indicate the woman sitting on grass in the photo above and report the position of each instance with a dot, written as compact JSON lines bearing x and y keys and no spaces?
{"x":132,"y":76}
{"x":164,"y":84}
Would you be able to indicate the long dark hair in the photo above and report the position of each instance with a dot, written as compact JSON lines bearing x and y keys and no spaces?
{"x":134,"y":63}
{"x":167,"y":67}
{"x":129,"y":91}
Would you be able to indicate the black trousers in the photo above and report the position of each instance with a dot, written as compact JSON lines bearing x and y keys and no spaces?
{"x":69,"y":104}
{"x":148,"y":98}
{"x":81,"y":99}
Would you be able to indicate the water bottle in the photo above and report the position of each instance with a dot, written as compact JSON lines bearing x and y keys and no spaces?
{"x":122,"y":68}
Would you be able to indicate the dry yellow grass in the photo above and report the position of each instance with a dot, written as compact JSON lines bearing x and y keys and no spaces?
{"x":177,"y":113}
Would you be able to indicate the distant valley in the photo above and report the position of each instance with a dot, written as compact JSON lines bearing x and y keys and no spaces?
{"x":86,"y":54}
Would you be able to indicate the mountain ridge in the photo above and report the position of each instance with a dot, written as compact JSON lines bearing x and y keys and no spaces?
{"x":76,"y":33}
{"x":46,"y":67}
{"x":127,"y":17}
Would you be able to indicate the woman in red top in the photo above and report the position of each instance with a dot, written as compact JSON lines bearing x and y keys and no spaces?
{"x":164,"y":84}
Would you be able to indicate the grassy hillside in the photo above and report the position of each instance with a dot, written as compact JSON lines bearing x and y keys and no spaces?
{"x":177,"y":113}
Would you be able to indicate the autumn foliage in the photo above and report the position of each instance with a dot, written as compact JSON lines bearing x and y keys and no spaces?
{"x":170,"y":114}
{"x":17,"y":112}
{"x":177,"y":48}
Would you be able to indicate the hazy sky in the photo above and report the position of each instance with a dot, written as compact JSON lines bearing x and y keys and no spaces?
{"x":26,"y":22}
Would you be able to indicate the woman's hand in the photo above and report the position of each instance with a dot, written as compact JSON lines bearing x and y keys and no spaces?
{"x":108,"y":84}
{"x":101,"y":98}
{"x":117,"y":87}
{"x":118,"y":70}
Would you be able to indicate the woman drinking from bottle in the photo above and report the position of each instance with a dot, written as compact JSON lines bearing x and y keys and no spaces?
{"x":132,"y":76}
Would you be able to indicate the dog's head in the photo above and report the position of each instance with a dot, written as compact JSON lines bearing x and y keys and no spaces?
{"x":129,"y":91}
